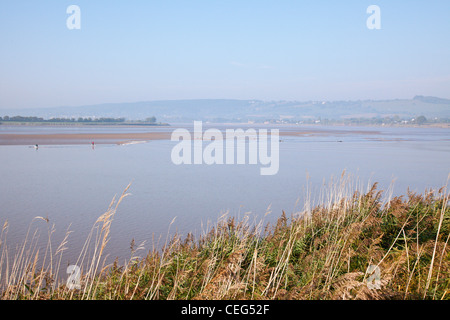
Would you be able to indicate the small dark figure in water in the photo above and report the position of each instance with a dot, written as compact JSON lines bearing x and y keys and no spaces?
{"x":36,"y":146}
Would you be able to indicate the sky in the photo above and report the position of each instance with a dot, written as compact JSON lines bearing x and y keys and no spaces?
{"x":129,"y":51}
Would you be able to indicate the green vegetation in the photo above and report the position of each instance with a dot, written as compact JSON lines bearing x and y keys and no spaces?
{"x":322,"y":252}
{"x":76,"y":121}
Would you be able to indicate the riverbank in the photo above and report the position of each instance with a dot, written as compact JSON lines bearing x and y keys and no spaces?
{"x":363,"y":246}
{"x":126,"y":136}
{"x":80,"y":138}
{"x":49,"y":135}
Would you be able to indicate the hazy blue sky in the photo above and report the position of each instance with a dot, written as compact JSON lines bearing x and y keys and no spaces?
{"x":135,"y":50}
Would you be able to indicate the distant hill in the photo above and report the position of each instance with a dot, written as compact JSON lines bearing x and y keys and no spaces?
{"x":432,"y":100}
{"x":221,"y":110}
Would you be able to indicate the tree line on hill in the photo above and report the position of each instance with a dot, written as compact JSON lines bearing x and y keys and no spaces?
{"x":78,"y":120}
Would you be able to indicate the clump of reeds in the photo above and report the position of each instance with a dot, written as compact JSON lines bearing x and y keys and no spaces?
{"x":325,"y":251}
{"x":32,"y":274}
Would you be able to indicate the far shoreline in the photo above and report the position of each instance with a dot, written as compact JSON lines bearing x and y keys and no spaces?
{"x":80,"y":138}
{"x":145,"y":136}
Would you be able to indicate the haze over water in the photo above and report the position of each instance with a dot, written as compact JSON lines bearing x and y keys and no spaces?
{"x":73,"y":185}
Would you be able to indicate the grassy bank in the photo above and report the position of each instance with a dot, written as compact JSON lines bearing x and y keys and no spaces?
{"x":321,"y":252}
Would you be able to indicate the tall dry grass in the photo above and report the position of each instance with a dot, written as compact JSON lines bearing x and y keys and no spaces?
{"x":32,"y":274}
{"x":326,"y":250}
